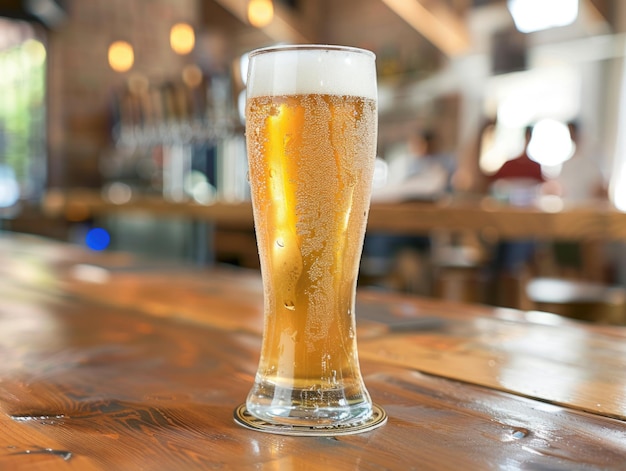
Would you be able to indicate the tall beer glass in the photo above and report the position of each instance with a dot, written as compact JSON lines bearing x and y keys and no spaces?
{"x":311,"y":130}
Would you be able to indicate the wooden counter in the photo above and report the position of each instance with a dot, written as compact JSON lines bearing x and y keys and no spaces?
{"x":594,"y":221}
{"x":113,"y":363}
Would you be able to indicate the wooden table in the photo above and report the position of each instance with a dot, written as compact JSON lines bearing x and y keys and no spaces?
{"x":113,"y":363}
{"x":595,"y":221}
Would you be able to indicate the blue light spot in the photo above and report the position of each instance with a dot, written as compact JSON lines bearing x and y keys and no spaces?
{"x":97,"y":239}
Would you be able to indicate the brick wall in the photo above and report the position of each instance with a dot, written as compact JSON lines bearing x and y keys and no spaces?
{"x":80,"y":81}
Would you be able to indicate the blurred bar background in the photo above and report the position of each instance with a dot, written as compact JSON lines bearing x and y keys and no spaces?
{"x":109,"y":104}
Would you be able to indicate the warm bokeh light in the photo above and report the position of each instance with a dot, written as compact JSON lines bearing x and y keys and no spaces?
{"x":77,"y":212}
{"x":138,"y":83}
{"x":121,"y":56}
{"x":260,"y":12}
{"x":182,"y":38}
{"x":192,"y":76}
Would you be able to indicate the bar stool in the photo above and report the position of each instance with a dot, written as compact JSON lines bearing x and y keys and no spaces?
{"x":457,"y":267}
{"x":582,"y":300}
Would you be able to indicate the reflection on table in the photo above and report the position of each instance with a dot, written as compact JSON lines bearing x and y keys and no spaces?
{"x":113,"y":362}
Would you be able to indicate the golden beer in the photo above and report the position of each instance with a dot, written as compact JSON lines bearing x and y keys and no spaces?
{"x":311,"y":153}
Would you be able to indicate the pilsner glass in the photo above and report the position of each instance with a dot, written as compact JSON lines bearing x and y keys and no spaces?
{"x":311,"y":130}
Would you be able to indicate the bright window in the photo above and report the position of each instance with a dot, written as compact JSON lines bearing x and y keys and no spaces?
{"x":22,"y":112}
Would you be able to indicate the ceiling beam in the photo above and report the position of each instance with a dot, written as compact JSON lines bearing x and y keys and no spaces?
{"x":283,"y":28}
{"x":593,"y":12}
{"x":440,"y":25}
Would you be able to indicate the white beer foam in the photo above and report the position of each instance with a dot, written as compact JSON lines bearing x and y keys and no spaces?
{"x":302,"y":70}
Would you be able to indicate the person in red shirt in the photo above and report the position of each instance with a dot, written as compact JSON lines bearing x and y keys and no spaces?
{"x":521,"y":167}
{"x":518,"y":179}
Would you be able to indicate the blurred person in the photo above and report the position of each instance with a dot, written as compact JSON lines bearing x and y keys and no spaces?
{"x":419,"y":172}
{"x":521,"y":167}
{"x":518,"y":182}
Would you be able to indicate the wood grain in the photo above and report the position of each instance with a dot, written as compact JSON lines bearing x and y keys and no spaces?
{"x":486,"y":216}
{"x":94,"y":376}
{"x":124,"y":391}
{"x":532,"y":354}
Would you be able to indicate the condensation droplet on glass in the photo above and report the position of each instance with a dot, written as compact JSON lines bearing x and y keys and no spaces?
{"x":290,"y":305}
{"x":280,"y":243}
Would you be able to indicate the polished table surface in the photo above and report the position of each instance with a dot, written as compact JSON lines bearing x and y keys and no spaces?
{"x":114,"y":363}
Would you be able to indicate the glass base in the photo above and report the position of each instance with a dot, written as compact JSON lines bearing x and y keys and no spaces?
{"x":348,"y":403}
{"x":377,"y":418}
